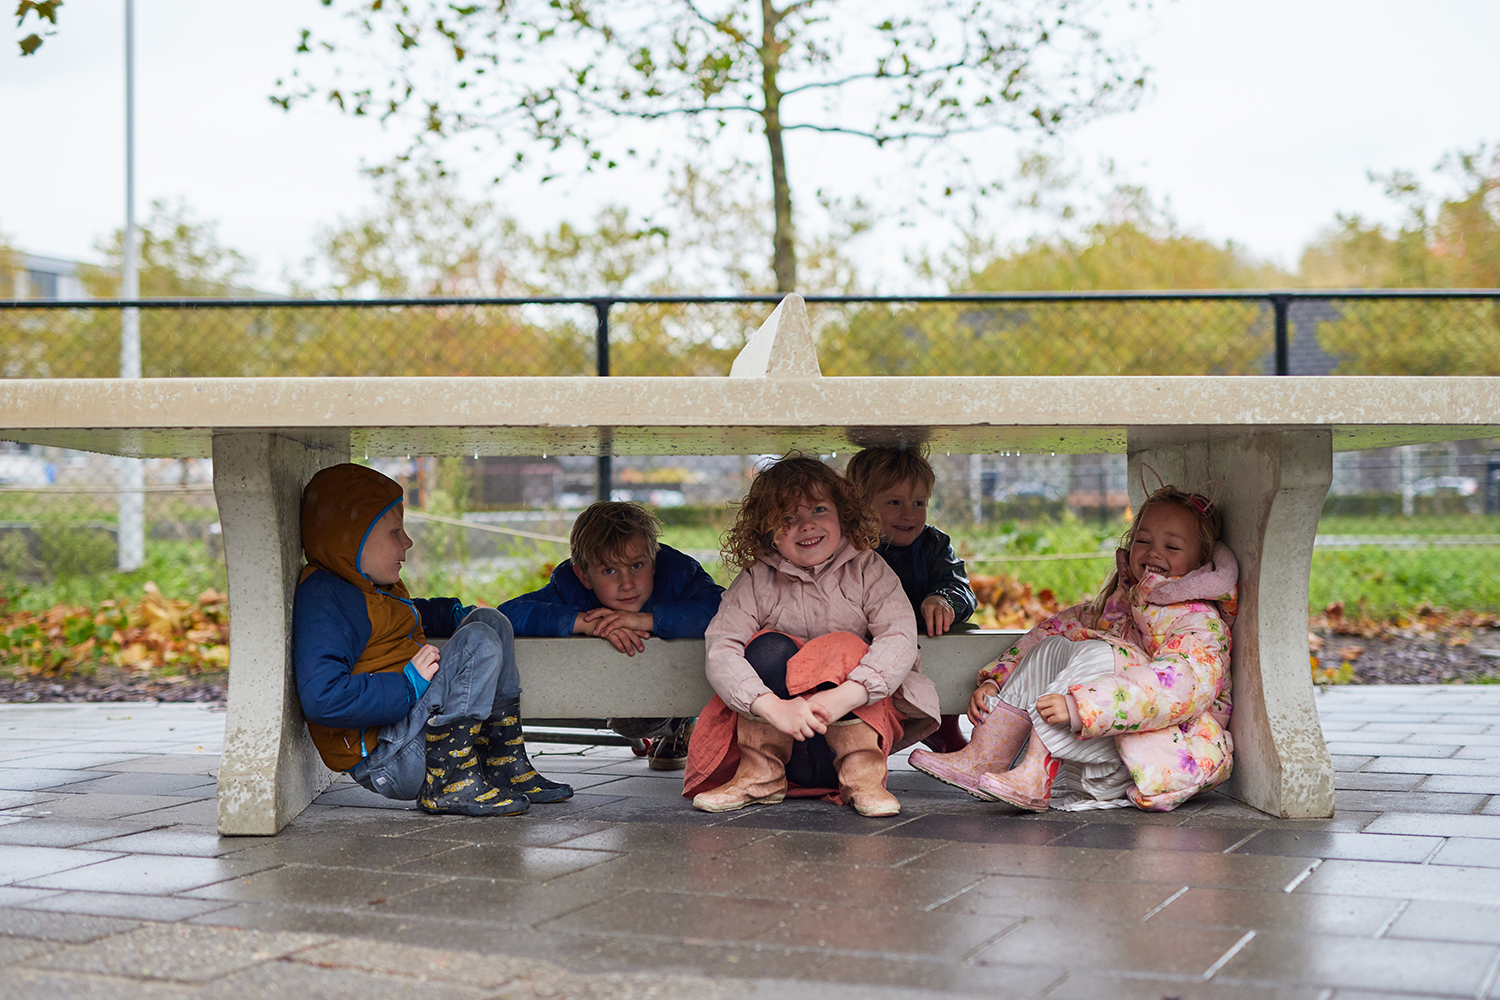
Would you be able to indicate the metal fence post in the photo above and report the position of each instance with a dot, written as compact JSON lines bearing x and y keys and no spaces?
{"x":1283,"y":344}
{"x":601,"y":361}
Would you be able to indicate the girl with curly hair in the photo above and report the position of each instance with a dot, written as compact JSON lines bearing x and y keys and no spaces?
{"x":813,"y":654}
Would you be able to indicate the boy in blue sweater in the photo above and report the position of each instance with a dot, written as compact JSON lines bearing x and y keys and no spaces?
{"x":622,"y":585}
{"x":383,"y":705}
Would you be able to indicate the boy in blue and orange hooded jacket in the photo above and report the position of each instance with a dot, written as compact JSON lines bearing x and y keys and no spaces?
{"x":402,"y":718}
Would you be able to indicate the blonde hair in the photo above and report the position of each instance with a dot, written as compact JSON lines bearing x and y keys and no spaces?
{"x":876,"y":470}
{"x":1210,"y":523}
{"x":777,"y":491}
{"x":605,"y":528}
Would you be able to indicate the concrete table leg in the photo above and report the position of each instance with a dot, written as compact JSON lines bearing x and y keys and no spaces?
{"x":1272,"y":485}
{"x":270,"y":770}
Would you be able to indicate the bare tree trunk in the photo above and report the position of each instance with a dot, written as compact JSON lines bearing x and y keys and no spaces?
{"x":784,"y":252}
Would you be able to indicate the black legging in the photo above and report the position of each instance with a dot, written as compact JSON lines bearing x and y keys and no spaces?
{"x":811,"y":765}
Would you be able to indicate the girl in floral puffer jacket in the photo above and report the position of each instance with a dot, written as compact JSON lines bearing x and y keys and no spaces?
{"x":1146,"y":664}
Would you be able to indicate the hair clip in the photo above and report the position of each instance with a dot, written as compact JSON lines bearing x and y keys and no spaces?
{"x":1200,"y":502}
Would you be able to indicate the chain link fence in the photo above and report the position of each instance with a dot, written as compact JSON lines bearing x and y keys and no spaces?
{"x":493,"y":525}
{"x":1145,"y":333}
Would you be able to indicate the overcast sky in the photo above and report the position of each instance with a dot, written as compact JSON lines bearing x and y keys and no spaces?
{"x":1264,"y":119}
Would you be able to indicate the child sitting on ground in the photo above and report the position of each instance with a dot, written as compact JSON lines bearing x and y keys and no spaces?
{"x":897,"y":483}
{"x":622,"y":585}
{"x":382,"y":705}
{"x":813,"y":654}
{"x":1145,"y":664}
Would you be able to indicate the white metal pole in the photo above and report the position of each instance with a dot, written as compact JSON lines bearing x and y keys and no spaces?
{"x":132,"y":520}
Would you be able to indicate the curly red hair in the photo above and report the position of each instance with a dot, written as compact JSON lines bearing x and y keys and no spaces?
{"x":777,"y":491}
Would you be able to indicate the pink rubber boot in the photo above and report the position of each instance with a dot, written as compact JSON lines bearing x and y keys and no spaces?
{"x":1028,"y":785}
{"x":994,"y":745}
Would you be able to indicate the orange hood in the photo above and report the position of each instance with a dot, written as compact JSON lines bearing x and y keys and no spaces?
{"x":339,"y":507}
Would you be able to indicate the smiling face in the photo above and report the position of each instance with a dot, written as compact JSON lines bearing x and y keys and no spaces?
{"x":1166,"y":542}
{"x":622,"y":581}
{"x":903,"y":512}
{"x":385,"y":548}
{"x":809,"y":534}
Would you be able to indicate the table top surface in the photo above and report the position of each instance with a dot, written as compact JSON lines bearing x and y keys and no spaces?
{"x":658,"y":416}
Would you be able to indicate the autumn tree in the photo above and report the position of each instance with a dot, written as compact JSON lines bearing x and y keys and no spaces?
{"x":1442,"y":242}
{"x":1450,"y":241}
{"x":10,"y":263}
{"x":1117,"y":240}
{"x":39,"y":19}
{"x":181,"y":256}
{"x":548,"y":78}
{"x":424,"y":235}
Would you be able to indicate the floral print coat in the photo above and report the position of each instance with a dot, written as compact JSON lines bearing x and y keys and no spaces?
{"x":1167,"y":702}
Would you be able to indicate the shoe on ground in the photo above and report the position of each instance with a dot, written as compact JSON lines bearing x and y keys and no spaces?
{"x":670,"y":752}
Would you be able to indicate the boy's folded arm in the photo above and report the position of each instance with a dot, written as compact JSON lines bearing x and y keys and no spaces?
{"x":533,"y":615}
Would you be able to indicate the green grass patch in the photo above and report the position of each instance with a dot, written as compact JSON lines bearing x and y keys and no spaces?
{"x":180,"y":569}
{"x":1390,"y":580}
{"x":1471,"y":524}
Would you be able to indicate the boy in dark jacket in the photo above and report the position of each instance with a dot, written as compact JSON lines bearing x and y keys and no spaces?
{"x":897,"y":483}
{"x":622,"y":585}
{"x":381,"y":703}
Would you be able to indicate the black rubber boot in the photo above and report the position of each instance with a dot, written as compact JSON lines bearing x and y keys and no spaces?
{"x":455,"y":780}
{"x":505,"y":762}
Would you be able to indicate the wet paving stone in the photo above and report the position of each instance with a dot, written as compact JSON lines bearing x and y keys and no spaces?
{"x":1397,"y":895}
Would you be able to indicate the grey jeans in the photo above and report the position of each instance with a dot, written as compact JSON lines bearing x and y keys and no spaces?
{"x":476,"y":673}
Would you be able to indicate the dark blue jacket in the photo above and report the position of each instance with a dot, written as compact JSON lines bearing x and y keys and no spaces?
{"x":330,"y":628}
{"x":683,"y":600}
{"x":930,"y":566}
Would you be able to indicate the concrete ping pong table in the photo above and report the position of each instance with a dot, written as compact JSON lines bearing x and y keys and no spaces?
{"x":1269,"y":441}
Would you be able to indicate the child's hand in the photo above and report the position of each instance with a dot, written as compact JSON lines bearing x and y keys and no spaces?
{"x":795,"y":716}
{"x":627,"y":640}
{"x":840,"y":701}
{"x":1053,"y":708}
{"x":627,"y":631}
{"x":977,"y":707}
{"x":425,"y":660}
{"x":938,"y":614}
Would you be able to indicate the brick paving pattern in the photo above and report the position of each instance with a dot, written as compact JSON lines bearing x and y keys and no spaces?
{"x":114,"y":883}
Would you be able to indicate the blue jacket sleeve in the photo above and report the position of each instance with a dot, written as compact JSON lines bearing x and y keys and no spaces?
{"x":551,"y":611}
{"x":330,"y":627}
{"x":440,"y":615}
{"x":684,"y":598}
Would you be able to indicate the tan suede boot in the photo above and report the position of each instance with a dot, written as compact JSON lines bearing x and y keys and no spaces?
{"x":761,"y":778}
{"x":861,"y":768}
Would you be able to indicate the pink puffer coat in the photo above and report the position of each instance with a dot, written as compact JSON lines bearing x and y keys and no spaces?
{"x":1167,"y":704}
